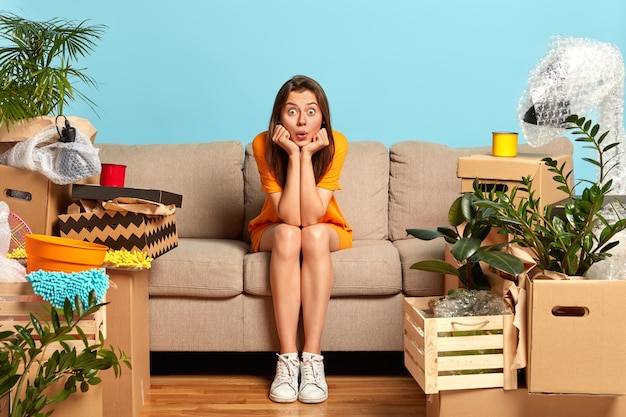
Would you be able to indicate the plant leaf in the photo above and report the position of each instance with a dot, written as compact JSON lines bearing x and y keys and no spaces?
{"x":436,"y":265}
{"x":465,"y":248}
{"x":502,"y":261}
{"x":424,"y":234}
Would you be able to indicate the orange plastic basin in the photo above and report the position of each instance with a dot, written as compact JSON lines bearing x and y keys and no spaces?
{"x":53,"y":253}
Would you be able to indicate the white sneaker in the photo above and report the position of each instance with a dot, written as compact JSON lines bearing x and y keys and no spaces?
{"x":313,"y":387}
{"x":284,"y":389}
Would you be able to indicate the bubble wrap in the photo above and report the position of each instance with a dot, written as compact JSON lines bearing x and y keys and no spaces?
{"x":577,"y":76}
{"x":464,"y":303}
{"x":10,"y":269}
{"x":63,"y":163}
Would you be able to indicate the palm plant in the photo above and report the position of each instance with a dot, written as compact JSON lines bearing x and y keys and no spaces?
{"x":37,"y":65}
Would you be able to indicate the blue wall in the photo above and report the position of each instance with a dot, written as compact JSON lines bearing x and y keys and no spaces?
{"x":444,"y":71}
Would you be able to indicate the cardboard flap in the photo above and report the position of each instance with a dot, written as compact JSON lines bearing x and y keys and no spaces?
{"x":28,"y":128}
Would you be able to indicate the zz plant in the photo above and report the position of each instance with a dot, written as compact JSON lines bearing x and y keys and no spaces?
{"x":30,"y":365}
{"x":570,"y":240}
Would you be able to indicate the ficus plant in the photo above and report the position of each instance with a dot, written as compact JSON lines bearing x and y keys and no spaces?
{"x":38,"y":65}
{"x":569,"y":237}
{"x":30,"y":365}
{"x":470,"y":225}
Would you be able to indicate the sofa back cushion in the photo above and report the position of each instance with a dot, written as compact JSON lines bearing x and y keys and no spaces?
{"x":363,"y":198}
{"x":207,"y":175}
{"x":423,"y":181}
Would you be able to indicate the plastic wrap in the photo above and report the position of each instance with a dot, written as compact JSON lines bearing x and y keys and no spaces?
{"x":62,"y":162}
{"x":463,"y":303}
{"x":577,"y":76}
{"x":11,"y":270}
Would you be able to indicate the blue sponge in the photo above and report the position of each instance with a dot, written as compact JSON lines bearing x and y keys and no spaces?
{"x":55,"y":287}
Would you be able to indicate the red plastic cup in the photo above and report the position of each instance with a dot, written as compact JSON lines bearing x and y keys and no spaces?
{"x":113,"y":175}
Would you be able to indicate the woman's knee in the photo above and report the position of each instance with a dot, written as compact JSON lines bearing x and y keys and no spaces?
{"x":315,"y":238}
{"x":287,"y":239}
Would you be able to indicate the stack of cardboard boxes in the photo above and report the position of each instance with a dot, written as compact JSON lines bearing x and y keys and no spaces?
{"x":576,"y":344}
{"x":43,"y":206}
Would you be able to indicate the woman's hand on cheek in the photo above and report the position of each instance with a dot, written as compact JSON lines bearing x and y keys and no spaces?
{"x":283,"y":139}
{"x":320,"y":141}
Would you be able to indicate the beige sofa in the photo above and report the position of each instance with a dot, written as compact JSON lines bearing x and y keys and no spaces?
{"x":211,"y":294}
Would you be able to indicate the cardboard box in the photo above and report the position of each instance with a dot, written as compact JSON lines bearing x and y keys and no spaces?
{"x":98,"y":192}
{"x":19,"y":132}
{"x":88,"y":404}
{"x":129,"y":330}
{"x":122,"y":230}
{"x":496,"y":402}
{"x":505,"y":173}
{"x":30,"y":194}
{"x":34,"y":198}
{"x":441,"y":353}
{"x":4,"y":405}
{"x":576,"y":337}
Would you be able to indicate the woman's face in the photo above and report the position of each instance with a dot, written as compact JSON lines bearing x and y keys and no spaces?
{"x":301,"y":116}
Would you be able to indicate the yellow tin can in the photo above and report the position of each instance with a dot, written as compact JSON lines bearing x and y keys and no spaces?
{"x":504,"y":144}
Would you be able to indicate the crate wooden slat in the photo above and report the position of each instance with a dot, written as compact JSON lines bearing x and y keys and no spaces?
{"x":441,"y":355}
{"x":462,"y":363}
{"x":17,"y":301}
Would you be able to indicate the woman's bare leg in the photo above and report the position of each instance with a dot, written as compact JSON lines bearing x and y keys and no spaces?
{"x":284,"y":241}
{"x":317,"y":279}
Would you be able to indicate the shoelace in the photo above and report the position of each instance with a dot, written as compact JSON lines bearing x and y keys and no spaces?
{"x":312,"y":369}
{"x":286,"y":370}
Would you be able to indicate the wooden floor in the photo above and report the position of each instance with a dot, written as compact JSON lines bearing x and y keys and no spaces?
{"x":181,"y":389}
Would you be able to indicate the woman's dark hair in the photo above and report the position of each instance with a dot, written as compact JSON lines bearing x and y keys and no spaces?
{"x":277,"y":158}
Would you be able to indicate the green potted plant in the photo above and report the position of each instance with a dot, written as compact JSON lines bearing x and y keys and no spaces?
{"x":38,"y":72}
{"x":570,"y":239}
{"x":30,"y":365}
{"x":470,"y":226}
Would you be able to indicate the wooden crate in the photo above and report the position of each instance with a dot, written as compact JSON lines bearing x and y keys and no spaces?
{"x":458,"y":353}
{"x":17,"y":301}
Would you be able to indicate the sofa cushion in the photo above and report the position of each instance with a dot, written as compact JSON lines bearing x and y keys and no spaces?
{"x":369,"y":268}
{"x":422,"y":185}
{"x":201,"y":268}
{"x":253,"y":196}
{"x":208,"y":175}
{"x":363,"y":198}
{"x":417,"y":283}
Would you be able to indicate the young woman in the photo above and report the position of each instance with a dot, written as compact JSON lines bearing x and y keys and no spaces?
{"x":300,"y":160}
